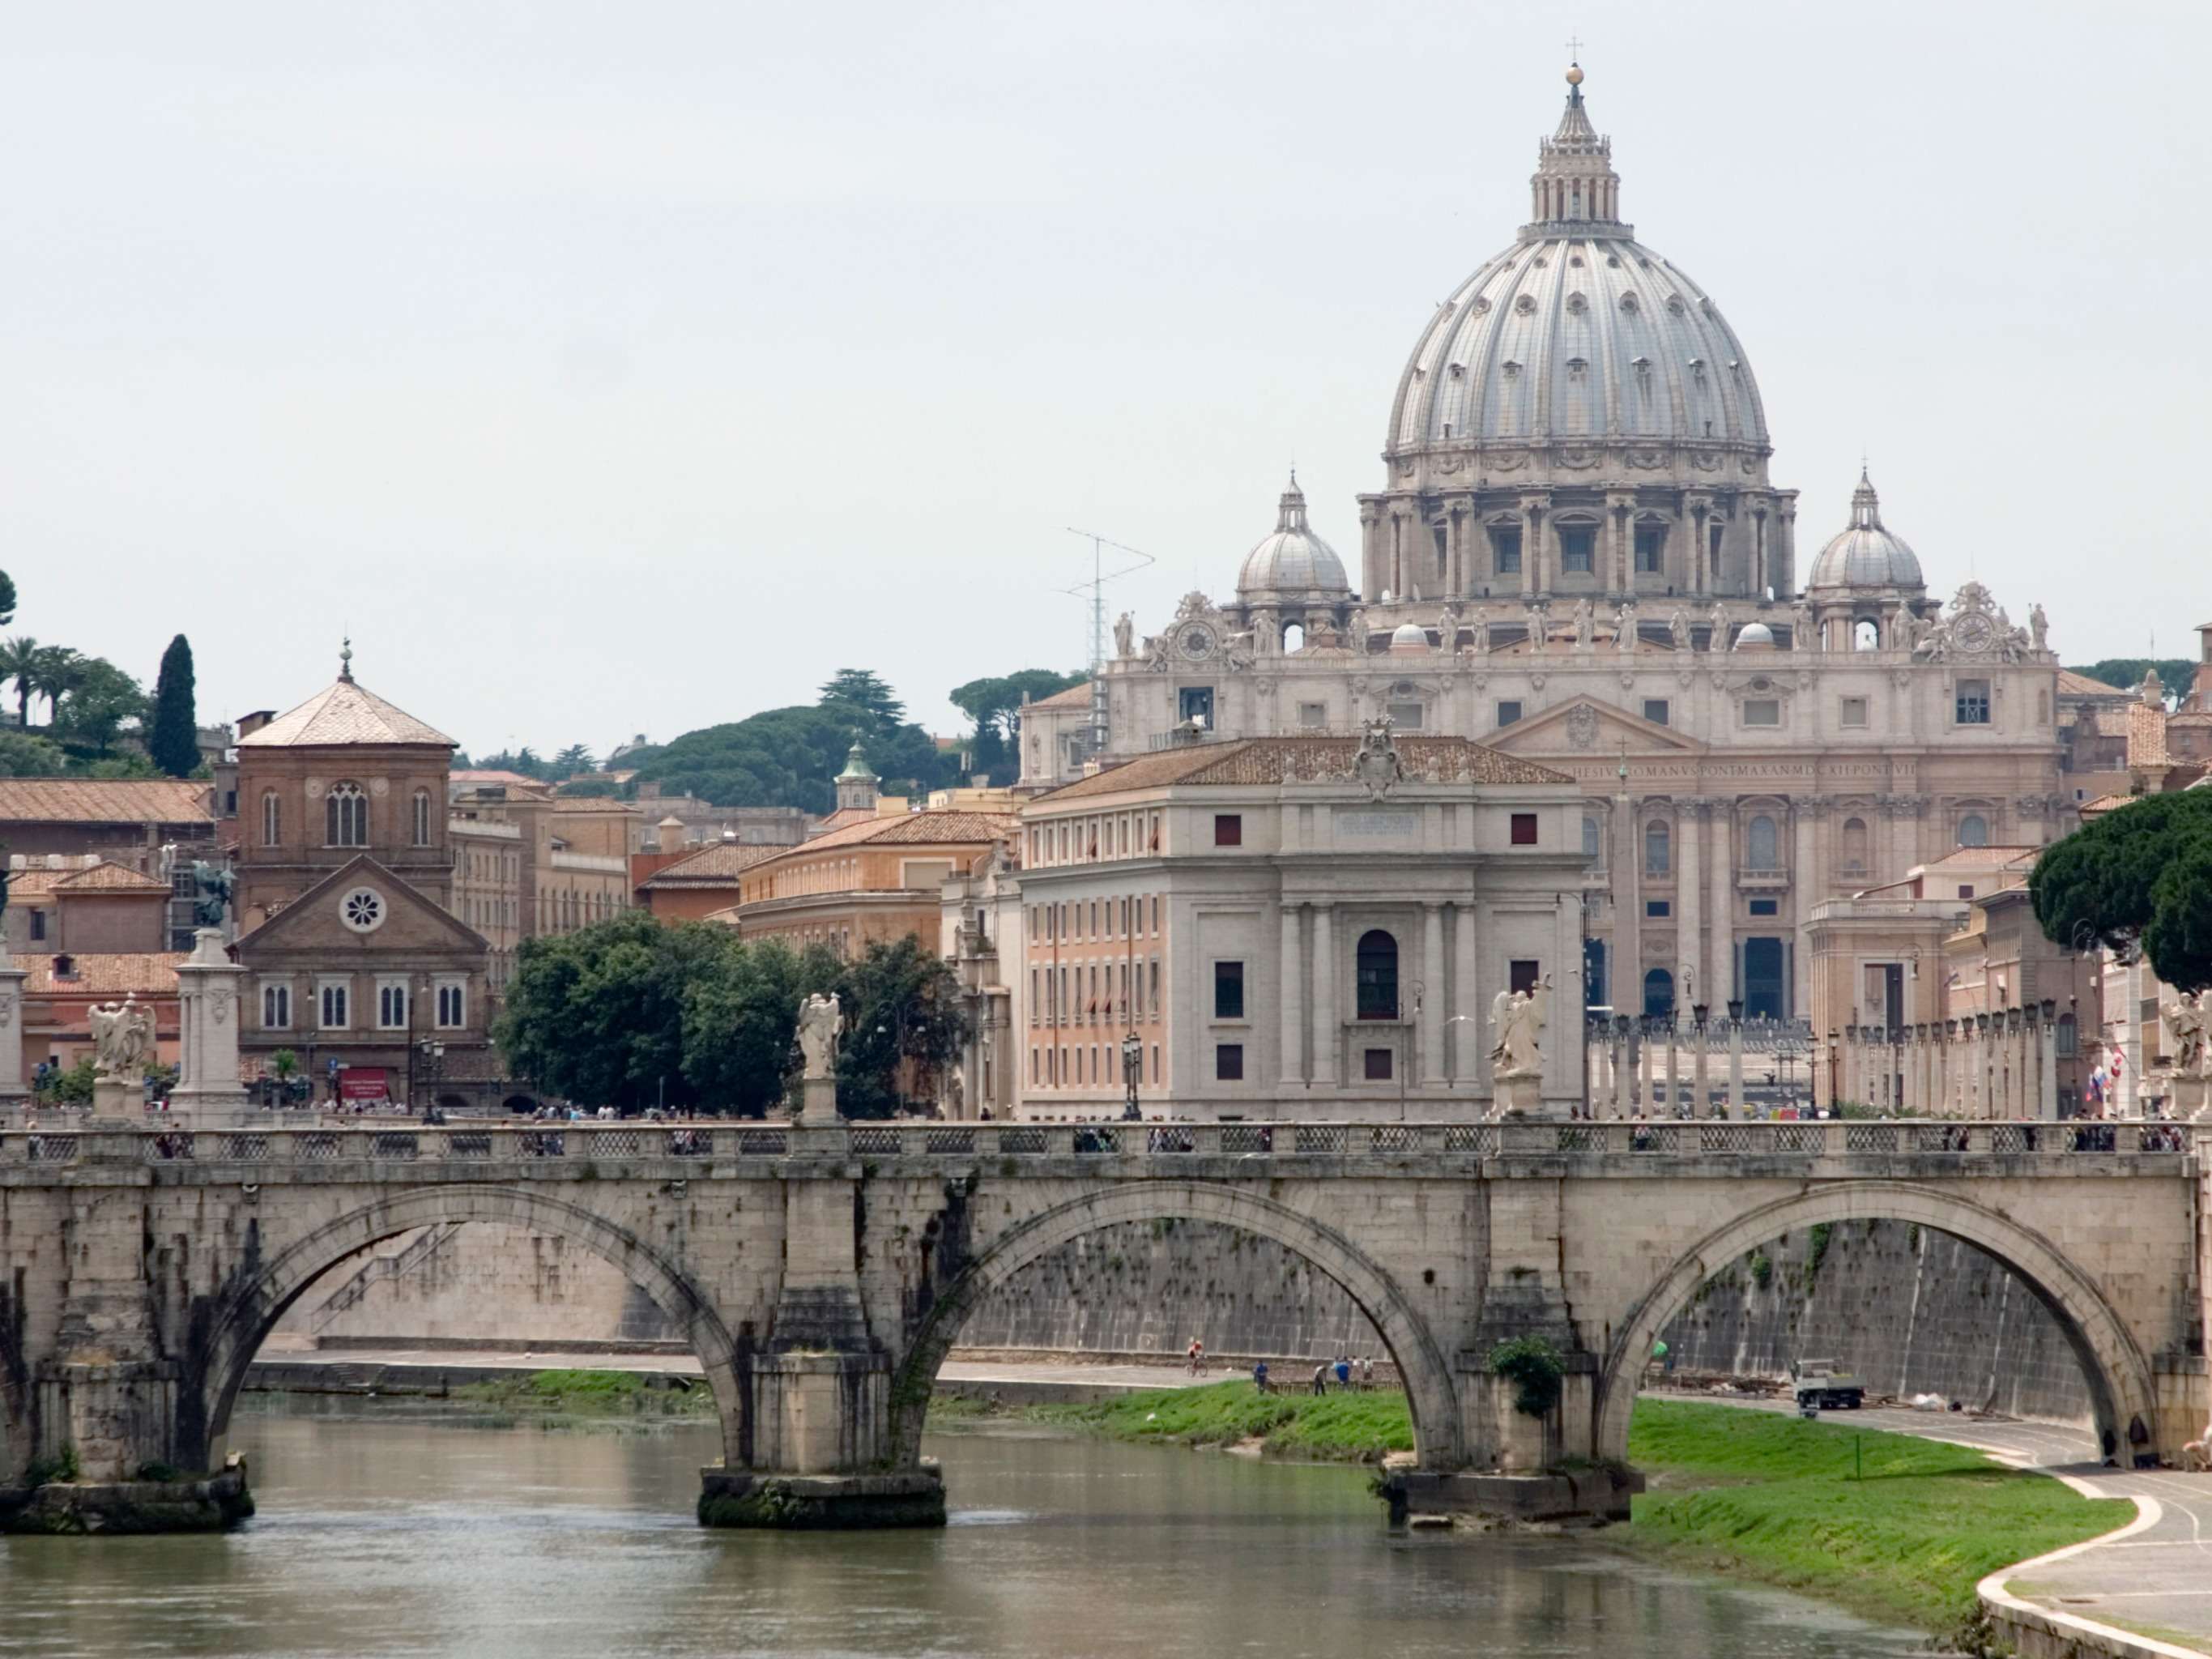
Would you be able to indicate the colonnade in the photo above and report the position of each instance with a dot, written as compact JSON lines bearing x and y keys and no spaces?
{"x":1997,"y":1065}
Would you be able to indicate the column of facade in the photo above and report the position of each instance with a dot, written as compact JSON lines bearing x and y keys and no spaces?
{"x":1467,"y":1046}
{"x":1292,"y":971}
{"x":1326,"y":1025}
{"x":1804,"y":886}
{"x":1852,"y":1089}
{"x":1625,"y":968}
{"x":1532,"y":544}
{"x":1689,"y":910}
{"x":1434,"y":1009}
{"x":2046,"y":1099}
{"x":1720,"y":912}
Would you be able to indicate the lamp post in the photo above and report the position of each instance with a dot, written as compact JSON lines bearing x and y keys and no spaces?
{"x":1698,"y":1014}
{"x":1735,"y":1058}
{"x":1835,"y":1062}
{"x":429,"y":1067}
{"x":1132,"y":1063}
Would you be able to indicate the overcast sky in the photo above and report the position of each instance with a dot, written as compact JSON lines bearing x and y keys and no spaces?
{"x":607,"y":368}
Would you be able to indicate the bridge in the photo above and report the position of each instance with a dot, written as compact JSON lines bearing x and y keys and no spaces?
{"x":821,"y":1274}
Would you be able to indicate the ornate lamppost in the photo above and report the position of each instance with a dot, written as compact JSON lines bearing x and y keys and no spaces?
{"x":1133,"y":1065}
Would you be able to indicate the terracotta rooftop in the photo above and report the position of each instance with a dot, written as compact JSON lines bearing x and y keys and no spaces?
{"x":83,"y":800}
{"x":1304,"y":760}
{"x":2071,"y":685}
{"x":715,"y":865}
{"x":1075,"y":697}
{"x":2103,"y":803}
{"x":591,"y":804}
{"x":1983,"y":857}
{"x":107,"y":876}
{"x":107,"y":973}
{"x":473,"y":777}
{"x":344,"y":712}
{"x":947,"y":826}
{"x":2146,"y":735}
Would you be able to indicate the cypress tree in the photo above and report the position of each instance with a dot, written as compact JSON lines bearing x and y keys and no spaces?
{"x":173,"y":738}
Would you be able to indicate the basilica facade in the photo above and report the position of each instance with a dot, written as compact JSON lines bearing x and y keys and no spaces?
{"x":1577,"y":558}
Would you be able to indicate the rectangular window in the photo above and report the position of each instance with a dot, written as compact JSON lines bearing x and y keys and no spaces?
{"x":1508,"y":713}
{"x":1228,"y":830}
{"x":1973,"y":708}
{"x":392,"y":1007}
{"x":1577,"y":549}
{"x":1654,"y":710}
{"x":1854,"y":711}
{"x":1312,"y":716}
{"x":1766,"y":907}
{"x":1966,"y":891}
{"x":1194,"y":704}
{"x":1229,"y":990}
{"x":1524,"y":828}
{"x":276,"y":1007}
{"x":1658,"y":906}
{"x":1650,"y":550}
{"x":1034,"y":1010}
{"x":1152,"y":994}
{"x":38,"y":924}
{"x":1407,"y":716}
{"x":1523,"y":975}
{"x":1229,"y":1062}
{"x":453,"y":1007}
{"x":1505,"y":548}
{"x":334,"y":1007}
{"x":1378,"y":1068}
{"x":1761,"y":711}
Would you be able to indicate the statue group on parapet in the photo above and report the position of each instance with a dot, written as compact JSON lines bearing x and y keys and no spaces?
{"x":122,"y":1041}
{"x":1517,"y":1017}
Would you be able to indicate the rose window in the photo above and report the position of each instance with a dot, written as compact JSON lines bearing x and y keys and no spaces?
{"x":362,"y":909}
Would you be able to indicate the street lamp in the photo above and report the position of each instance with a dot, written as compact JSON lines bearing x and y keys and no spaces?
{"x":1735,"y":1058}
{"x":430,"y":1056}
{"x":1132,"y":1063}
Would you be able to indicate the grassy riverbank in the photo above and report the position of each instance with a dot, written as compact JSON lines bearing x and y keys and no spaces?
{"x":1890,"y":1525}
{"x":1893,"y":1527}
{"x":587,"y":1394}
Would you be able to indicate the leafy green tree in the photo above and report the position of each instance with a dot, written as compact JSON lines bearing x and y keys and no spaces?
{"x":19,"y":661}
{"x":740,"y":1023}
{"x":863,"y":691}
{"x":991,"y":702}
{"x":173,"y":739}
{"x":2140,"y":877}
{"x":54,"y":676}
{"x":901,"y":1004}
{"x":597,"y":1015}
{"x":72,"y":1087}
{"x":524,"y":761}
{"x":2122,"y":672}
{"x":22,"y":755}
{"x":575,"y":758}
{"x":100,"y":699}
{"x":7,"y":599}
{"x":124,"y":765}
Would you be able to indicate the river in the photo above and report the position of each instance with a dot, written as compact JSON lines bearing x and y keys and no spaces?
{"x":392,"y":1531}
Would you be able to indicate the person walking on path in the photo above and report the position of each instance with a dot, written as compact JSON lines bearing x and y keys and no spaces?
{"x":1197,"y":1354}
{"x":1343,"y":1371}
{"x":1321,"y":1379}
{"x":1260,"y":1376}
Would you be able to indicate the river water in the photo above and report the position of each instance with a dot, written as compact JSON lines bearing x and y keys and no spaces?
{"x":386,"y":1531}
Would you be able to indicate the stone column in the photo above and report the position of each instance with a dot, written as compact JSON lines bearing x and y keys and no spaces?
{"x":13,"y":1088}
{"x":1736,"y":1071}
{"x":1689,"y":908}
{"x":1805,"y":889}
{"x":1292,"y":1001}
{"x":1434,"y":1008}
{"x":210,"y":990}
{"x":1720,"y":913}
{"x":1853,"y":1090}
{"x":1626,"y":967}
{"x":2046,"y":1099}
{"x":1467,"y":1046}
{"x":1700,"y":1104}
{"x":1326,"y":1022}
{"x":1532,"y":545}
{"x":1621,"y":1051}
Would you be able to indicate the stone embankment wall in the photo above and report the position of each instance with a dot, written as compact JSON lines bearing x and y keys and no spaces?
{"x":1911,"y":1312}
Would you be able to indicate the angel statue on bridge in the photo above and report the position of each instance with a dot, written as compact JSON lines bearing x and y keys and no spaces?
{"x":2186,"y":1017}
{"x":1518,"y":1018}
{"x":122,"y":1040}
{"x":821,"y":1021}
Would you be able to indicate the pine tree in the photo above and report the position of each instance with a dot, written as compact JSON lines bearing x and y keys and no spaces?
{"x":173,"y":740}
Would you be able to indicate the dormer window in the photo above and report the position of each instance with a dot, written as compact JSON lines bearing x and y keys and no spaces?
{"x":64,"y":967}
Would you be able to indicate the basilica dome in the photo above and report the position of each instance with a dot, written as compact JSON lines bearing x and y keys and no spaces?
{"x":1293,"y":562}
{"x":1866,"y":555}
{"x":1578,"y":331}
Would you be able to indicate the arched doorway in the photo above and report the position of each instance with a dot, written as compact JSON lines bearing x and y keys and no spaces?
{"x":1420,"y":1360}
{"x":2121,"y":1392}
{"x":1658,"y":994}
{"x":239,"y":1322}
{"x":1375,"y":964}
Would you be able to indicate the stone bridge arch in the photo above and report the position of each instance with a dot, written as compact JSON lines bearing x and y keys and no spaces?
{"x":1421,"y":1360}
{"x":2113,"y":1362}
{"x":227,"y":1332}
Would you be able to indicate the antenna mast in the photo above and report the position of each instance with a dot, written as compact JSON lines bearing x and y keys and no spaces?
{"x":1095,"y":587}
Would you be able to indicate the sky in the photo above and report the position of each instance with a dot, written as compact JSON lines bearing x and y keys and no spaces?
{"x":612,"y":369}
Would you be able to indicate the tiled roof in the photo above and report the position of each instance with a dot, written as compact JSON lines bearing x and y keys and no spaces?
{"x":2103,"y":803}
{"x":2146,"y":735}
{"x":2111,"y":722}
{"x":1983,"y":857}
{"x":344,"y":712}
{"x":78,"y":801}
{"x":472,"y":776}
{"x":943,"y":827}
{"x":107,"y":973}
{"x":2071,"y":685}
{"x":715,"y":865}
{"x":108,"y":877}
{"x":591,"y":804}
{"x":1304,"y":760}
{"x":845,"y":817}
{"x":1075,"y":697}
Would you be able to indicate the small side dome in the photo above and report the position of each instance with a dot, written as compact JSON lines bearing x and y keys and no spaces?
{"x":1866,"y":555}
{"x":1409,"y":636}
{"x":1755,"y":636}
{"x":1293,"y":562}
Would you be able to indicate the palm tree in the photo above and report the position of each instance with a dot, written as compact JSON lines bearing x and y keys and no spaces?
{"x":19,"y":661}
{"x":54,"y":676}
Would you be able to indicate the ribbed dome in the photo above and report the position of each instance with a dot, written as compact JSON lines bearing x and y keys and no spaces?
{"x":1293,"y":562}
{"x":1577,"y":330}
{"x":1754,"y":636}
{"x":1866,"y":555}
{"x":1409,"y":635}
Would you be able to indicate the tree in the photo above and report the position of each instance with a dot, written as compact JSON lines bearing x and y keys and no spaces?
{"x":901,"y":1004}
{"x":100,"y":698}
{"x":7,"y":599}
{"x":19,"y":661}
{"x":739,"y":1024}
{"x":22,"y":755}
{"x":572,"y":760}
{"x":173,"y":740}
{"x":2139,"y":877}
{"x":860,"y":690}
{"x":54,"y":676}
{"x":991,"y":702}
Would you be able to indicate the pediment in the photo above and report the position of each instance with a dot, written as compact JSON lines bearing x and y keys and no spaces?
{"x":1586,"y":727}
{"x":319,"y":919}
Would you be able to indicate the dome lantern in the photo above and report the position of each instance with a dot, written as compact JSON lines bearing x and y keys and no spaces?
{"x":1574,"y":185}
{"x":1867,"y":553}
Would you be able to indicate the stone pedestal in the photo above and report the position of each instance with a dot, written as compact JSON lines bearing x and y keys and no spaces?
{"x":2188,"y":1098}
{"x":209,"y":986}
{"x":818,"y":1099}
{"x":118,"y":1103}
{"x":13,"y":1088}
{"x":1525,"y":1095}
{"x":810,"y":1502}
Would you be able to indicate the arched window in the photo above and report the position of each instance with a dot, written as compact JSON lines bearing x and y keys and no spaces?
{"x":1973,"y":830}
{"x":1655,"y":847}
{"x":422,"y":817}
{"x":1854,"y":845}
{"x":345,"y":816}
{"x":1866,"y":635}
{"x":1658,"y":994}
{"x":1762,"y":850}
{"x":272,"y":819}
{"x":1593,"y":844}
{"x":1294,"y":638}
{"x":1377,"y":975}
